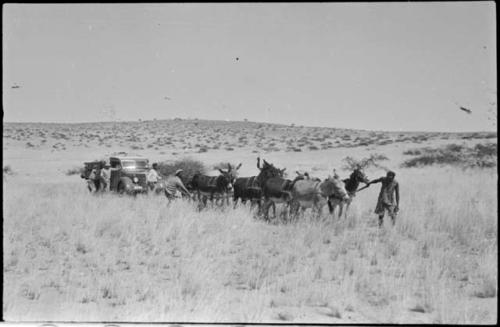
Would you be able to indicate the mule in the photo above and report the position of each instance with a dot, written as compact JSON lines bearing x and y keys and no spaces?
{"x":275,"y":188}
{"x":311,"y":193}
{"x":351,"y":186}
{"x":214,"y":187}
{"x":248,"y":189}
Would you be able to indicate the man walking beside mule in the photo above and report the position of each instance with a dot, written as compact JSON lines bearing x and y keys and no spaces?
{"x":390,"y":187}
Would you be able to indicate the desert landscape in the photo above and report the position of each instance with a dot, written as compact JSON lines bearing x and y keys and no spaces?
{"x":74,"y":256}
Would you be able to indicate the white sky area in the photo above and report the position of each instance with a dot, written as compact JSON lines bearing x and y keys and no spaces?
{"x":376,"y":66}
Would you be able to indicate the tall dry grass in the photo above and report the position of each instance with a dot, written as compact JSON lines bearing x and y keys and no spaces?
{"x":69,"y":255}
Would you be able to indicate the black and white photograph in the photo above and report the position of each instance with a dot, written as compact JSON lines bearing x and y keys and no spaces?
{"x":250,"y":163}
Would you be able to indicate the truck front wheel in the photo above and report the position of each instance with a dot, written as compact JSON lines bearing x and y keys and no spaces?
{"x":121,"y":188}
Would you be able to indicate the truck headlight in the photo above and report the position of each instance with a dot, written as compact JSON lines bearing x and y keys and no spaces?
{"x":135,"y":179}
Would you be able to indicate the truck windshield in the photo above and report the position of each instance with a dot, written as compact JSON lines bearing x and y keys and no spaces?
{"x":134,"y":164}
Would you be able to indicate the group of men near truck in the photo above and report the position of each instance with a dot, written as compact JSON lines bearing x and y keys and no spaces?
{"x":99,"y":180}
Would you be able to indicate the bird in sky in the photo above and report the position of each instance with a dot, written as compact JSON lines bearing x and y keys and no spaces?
{"x":167,"y":98}
{"x":466,"y":110}
{"x":15,"y":87}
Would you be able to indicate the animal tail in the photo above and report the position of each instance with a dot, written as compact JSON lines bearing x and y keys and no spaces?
{"x":292,"y":184}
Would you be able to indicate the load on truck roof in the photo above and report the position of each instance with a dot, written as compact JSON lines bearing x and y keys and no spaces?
{"x":128,"y":158}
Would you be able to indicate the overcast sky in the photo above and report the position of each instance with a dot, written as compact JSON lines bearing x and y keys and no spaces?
{"x":377,"y":66}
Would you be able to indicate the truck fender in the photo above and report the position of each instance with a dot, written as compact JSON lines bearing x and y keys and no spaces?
{"x":125,"y":183}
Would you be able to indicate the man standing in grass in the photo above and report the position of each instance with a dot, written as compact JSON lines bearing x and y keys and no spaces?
{"x":105,"y":177}
{"x":173,"y":184}
{"x":153,"y":176}
{"x":94,"y":179}
{"x":91,"y":180}
{"x":386,"y":197}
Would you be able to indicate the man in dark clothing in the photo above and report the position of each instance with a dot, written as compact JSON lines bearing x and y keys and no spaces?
{"x":386,"y":201}
{"x":95,"y":180}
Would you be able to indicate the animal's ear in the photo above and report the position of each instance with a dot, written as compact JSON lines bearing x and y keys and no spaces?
{"x":228,"y":166}
{"x":221,"y":171}
{"x":238,"y":167}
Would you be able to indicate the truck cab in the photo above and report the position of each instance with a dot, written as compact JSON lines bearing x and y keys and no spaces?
{"x":128,"y":174}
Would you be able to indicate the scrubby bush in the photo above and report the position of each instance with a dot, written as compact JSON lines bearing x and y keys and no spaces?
{"x":385,"y":142}
{"x":188,"y":165}
{"x":413,"y":152}
{"x":490,"y":136}
{"x":481,"y":155}
{"x":136,"y":147}
{"x":351,"y":163}
{"x":428,"y":159}
{"x":378,"y":157}
{"x":487,"y":149}
{"x":74,"y":171}
{"x":313,"y":147}
{"x":7,"y":170}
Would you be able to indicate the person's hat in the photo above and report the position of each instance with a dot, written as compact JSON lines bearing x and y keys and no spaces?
{"x":155,"y":165}
{"x":178,"y":171}
{"x":391,"y":173}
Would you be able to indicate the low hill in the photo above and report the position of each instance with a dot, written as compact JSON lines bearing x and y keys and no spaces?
{"x":205,"y":135}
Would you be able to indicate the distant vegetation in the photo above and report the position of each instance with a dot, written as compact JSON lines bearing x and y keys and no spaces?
{"x":373,"y":160}
{"x":7,"y":170}
{"x":480,"y":155}
{"x":202,"y":136}
{"x":74,"y":171}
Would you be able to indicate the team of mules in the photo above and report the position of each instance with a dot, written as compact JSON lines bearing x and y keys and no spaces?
{"x":270,"y":187}
{"x":265,"y":190}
